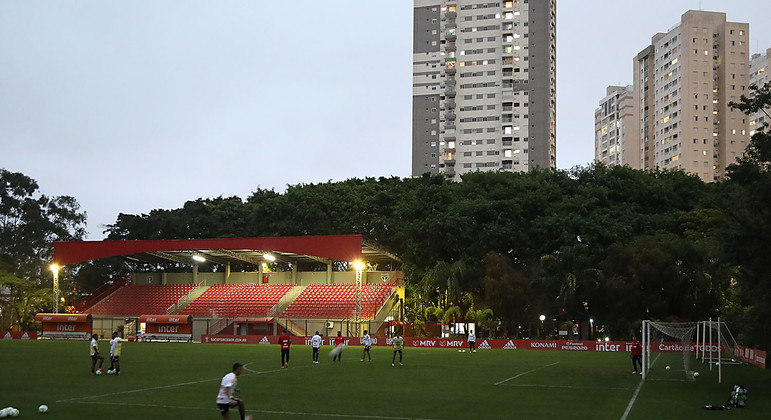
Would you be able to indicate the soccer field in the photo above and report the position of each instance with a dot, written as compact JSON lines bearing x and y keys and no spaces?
{"x":180,"y":380}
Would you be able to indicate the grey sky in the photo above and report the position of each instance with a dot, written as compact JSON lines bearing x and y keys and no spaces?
{"x":132,"y":106}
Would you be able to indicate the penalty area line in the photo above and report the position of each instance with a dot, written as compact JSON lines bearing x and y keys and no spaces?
{"x":568,"y":387}
{"x":525,"y":373}
{"x":132,"y":391}
{"x":290,"y":413}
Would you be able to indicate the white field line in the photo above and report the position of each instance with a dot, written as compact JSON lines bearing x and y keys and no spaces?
{"x":566,"y":386}
{"x":253,"y":372}
{"x":525,"y":373}
{"x":637,"y":391}
{"x":290,"y":413}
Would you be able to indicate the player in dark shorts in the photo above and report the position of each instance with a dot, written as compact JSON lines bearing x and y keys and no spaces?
{"x":285,"y":342}
{"x":225,"y":398}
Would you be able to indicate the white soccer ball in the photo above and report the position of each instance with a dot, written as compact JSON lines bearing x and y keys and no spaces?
{"x":667,"y":368}
{"x":98,"y":372}
{"x":43,"y":408}
{"x":463,"y":351}
{"x":460,"y":351}
{"x":695,"y":374}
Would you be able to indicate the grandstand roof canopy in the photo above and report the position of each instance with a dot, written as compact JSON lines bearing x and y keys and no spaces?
{"x":226,"y":250}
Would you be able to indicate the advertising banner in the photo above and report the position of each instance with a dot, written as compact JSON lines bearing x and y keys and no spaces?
{"x":167,"y":327}
{"x":450,"y":343}
{"x":65,"y":325}
{"x":752,"y":356}
{"x":18,"y":335}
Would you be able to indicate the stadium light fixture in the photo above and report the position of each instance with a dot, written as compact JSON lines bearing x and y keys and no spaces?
{"x":542,"y":318}
{"x":199,"y":258}
{"x":54,"y":268}
{"x":269,"y":257}
{"x":358,"y":265}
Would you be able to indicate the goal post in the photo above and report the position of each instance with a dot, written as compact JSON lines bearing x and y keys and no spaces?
{"x":670,"y":339}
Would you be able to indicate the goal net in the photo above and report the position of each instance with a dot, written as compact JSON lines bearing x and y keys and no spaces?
{"x":669,"y":346}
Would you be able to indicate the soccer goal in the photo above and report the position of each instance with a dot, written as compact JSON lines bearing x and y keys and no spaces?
{"x":674,"y":341}
{"x":716,"y":346}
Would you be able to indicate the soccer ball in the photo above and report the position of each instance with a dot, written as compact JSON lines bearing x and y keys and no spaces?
{"x":110,"y":371}
{"x":460,"y":351}
{"x":695,"y":374}
{"x":43,"y":408}
{"x":98,"y":372}
{"x":667,"y":368}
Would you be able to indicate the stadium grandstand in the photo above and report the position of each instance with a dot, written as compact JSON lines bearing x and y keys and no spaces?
{"x":303,"y":284}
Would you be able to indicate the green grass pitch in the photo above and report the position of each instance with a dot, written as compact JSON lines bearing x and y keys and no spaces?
{"x":180,"y":380}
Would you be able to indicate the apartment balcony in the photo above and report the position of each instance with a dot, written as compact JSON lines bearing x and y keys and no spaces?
{"x":450,"y":92}
{"x":450,"y":36}
{"x":450,"y":116}
{"x":449,"y":136}
{"x":450,"y":46}
{"x":449,"y":70}
{"x":449,"y":125}
{"x":451,"y":16}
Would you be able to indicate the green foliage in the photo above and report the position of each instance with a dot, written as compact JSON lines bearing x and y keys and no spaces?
{"x":30,"y":222}
{"x":748,"y":232}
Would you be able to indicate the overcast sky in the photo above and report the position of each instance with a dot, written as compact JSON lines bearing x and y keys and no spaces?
{"x":135,"y":105}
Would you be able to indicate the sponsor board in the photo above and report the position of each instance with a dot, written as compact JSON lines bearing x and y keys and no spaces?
{"x":18,"y":335}
{"x":446,"y":343}
{"x":752,"y":356}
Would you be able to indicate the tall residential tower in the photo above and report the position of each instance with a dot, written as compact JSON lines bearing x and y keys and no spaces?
{"x":484,"y":86}
{"x":683,"y":83}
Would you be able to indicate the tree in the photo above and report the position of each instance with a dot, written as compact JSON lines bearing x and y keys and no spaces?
{"x":30,"y":222}
{"x":748,"y":237}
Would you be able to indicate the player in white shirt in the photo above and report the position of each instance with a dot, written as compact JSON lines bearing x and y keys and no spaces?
{"x":225,"y":398}
{"x":315,"y":345}
{"x":472,"y":342}
{"x":116,"y":343}
{"x":94,"y":350}
{"x":367,"y":341}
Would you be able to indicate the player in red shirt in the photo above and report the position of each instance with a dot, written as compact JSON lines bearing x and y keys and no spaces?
{"x":285,"y":342}
{"x":339,"y":342}
{"x":636,"y":354}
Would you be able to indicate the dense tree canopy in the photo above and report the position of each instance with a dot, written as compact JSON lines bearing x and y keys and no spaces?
{"x":30,"y":222}
{"x":588,"y":241}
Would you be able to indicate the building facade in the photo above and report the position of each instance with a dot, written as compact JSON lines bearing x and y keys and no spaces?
{"x":758,"y":76}
{"x":616,"y":138}
{"x":683,"y":83}
{"x":484,"y":86}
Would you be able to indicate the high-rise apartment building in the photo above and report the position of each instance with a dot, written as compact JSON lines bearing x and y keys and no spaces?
{"x":758,"y":76}
{"x":616,"y":133}
{"x":484,"y":86}
{"x":683,"y":83}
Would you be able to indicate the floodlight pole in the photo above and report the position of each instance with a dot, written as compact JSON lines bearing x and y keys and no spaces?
{"x":359,"y":274}
{"x":55,"y":270}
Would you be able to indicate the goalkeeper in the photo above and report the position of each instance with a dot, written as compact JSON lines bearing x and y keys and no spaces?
{"x":636,"y":354}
